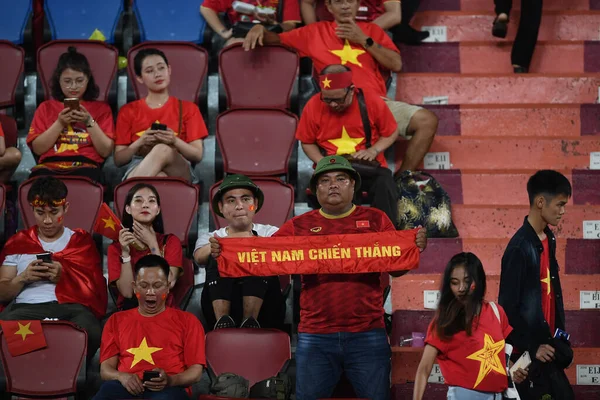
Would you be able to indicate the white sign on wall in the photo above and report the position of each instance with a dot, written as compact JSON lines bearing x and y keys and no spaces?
{"x":439,"y":160}
{"x":436,"y":33}
{"x":588,"y":374}
{"x":589,"y":299}
{"x":591,"y":229}
{"x":594,"y":158}
{"x":431,"y":299}
{"x":435,"y":99}
{"x":436,"y":375}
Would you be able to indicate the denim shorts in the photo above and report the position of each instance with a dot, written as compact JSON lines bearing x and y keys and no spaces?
{"x":460,"y":393}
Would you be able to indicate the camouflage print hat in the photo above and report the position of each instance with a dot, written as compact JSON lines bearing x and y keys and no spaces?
{"x":236,"y":181}
{"x":334,"y":163}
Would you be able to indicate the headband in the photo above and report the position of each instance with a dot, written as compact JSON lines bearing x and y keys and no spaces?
{"x":341,"y":80}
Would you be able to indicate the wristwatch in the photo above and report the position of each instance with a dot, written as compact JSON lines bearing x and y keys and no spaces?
{"x":91,"y":123}
{"x":125,"y":260}
{"x":368,"y":43}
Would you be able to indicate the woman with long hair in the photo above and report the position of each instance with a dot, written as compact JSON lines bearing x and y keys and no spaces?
{"x":467,"y":337}
{"x":71,"y":133}
{"x":142,"y":234}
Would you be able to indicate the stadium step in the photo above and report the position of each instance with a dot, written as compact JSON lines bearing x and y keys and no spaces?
{"x":464,"y":26}
{"x":498,"y":88}
{"x":486,"y":5}
{"x":494,"y":57}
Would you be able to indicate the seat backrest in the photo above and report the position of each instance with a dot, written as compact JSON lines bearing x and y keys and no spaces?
{"x":2,"y":199}
{"x":170,"y":20}
{"x":256,"y":142}
{"x":277,"y":208}
{"x":58,"y":367}
{"x":189,"y":65}
{"x":178,"y":202}
{"x":322,"y":12}
{"x":102,"y":57}
{"x":77,"y":19}
{"x":255,"y":354}
{"x":11,"y":68}
{"x":262,"y":78}
{"x":185,"y":283}
{"x":13,"y":20}
{"x":84,"y":196}
{"x":9,"y":127}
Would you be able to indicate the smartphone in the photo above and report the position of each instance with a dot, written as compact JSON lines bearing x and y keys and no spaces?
{"x":148,"y":375}
{"x":158,"y":127}
{"x":523,"y":362}
{"x":44,"y":257}
{"x":72,"y":103}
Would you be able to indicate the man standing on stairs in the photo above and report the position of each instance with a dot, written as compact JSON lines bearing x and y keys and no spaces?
{"x":530,"y":289}
{"x":365,"y":48}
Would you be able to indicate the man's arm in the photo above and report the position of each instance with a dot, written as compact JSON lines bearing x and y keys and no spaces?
{"x":391,"y":17}
{"x":187,"y":377}
{"x":10,"y":284}
{"x":261,"y":36}
{"x":131,"y":382}
{"x":307,"y":8}
{"x":312,"y":151}
{"x":213,"y":20}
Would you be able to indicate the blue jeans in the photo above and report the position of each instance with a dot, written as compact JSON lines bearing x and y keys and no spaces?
{"x":113,"y":390}
{"x":460,"y":393}
{"x":364,"y":356}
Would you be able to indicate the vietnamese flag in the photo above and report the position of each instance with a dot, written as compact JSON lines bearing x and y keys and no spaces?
{"x":107,"y":224}
{"x":23,"y":337}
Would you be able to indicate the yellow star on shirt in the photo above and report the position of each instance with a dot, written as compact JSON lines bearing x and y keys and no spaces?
{"x":345,"y":144}
{"x":488,"y":358}
{"x":546,"y":280}
{"x":109,"y":223}
{"x":24,"y":330}
{"x":326,"y":83}
{"x":143,"y":352}
{"x":348,"y":55}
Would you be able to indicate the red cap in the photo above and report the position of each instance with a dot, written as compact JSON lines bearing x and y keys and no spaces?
{"x":340,"y":80}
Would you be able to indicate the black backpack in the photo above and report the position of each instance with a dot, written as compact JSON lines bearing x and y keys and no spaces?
{"x":276,"y":387}
{"x":230,"y":385}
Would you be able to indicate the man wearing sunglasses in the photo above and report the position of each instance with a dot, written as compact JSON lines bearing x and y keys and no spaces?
{"x":336,"y":123}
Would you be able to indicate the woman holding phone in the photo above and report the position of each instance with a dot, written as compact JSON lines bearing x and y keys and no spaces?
{"x":158,"y":135}
{"x":467,"y":337}
{"x":72,"y":133}
{"x":142,"y":233}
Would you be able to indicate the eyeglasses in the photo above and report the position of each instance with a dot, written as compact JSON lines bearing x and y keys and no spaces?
{"x":338,"y":100}
{"x":73,"y":83}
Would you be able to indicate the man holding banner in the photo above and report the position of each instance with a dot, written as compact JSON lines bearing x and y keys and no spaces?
{"x":340,"y":251}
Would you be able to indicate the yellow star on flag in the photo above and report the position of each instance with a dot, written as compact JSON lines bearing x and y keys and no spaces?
{"x":348,"y":55}
{"x":345,"y":144}
{"x":109,"y":223}
{"x":488,"y":358}
{"x":24,"y":330}
{"x":326,"y":83}
{"x":143,"y":352}
{"x":546,"y":280}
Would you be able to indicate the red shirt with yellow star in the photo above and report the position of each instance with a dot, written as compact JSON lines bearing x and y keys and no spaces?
{"x":172,"y":340}
{"x":548,"y":306}
{"x":344,"y":133}
{"x":332,"y":50}
{"x":136,"y":117}
{"x":74,"y":140}
{"x":476,"y":362}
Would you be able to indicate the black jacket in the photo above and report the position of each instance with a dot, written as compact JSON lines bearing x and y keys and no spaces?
{"x":521,"y":289}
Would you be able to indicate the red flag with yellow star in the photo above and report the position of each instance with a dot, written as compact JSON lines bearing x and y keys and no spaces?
{"x":23,"y":337}
{"x":107,"y":224}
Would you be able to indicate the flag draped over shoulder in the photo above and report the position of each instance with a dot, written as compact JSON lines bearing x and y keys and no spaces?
{"x":331,"y":254}
{"x":23,"y":337}
{"x":107,"y":224}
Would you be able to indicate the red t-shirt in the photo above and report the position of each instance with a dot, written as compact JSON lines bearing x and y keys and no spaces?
{"x":476,"y":362}
{"x":172,"y":340}
{"x":171,"y":252}
{"x":289,"y":13}
{"x":344,"y":133}
{"x":332,"y":50}
{"x":136,"y":117}
{"x":368,"y":10}
{"x":547,"y":291}
{"x":1,"y":131}
{"x":339,"y":302}
{"x":74,"y":139}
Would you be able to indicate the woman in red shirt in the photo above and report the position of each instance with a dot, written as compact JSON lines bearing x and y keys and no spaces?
{"x":466,"y":337}
{"x":159,"y":135}
{"x":74,"y":137}
{"x":142,"y":234}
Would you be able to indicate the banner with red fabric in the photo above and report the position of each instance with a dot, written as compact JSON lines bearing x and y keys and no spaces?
{"x":332,"y":254}
{"x":23,"y":337}
{"x":107,"y":224}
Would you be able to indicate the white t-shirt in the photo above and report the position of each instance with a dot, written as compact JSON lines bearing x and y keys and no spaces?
{"x":42,"y":291}
{"x":262,"y":230}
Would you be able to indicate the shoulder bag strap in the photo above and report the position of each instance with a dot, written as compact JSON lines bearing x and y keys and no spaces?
{"x":364,"y":115}
{"x":180,"y":116}
{"x":495,"y":308}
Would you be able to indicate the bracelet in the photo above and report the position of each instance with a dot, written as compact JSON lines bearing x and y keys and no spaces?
{"x":125,"y":260}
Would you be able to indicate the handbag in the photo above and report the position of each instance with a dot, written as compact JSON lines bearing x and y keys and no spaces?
{"x":510,"y":393}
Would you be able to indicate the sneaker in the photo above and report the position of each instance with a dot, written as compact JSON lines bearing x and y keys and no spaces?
{"x":224,"y":322}
{"x":251,"y":323}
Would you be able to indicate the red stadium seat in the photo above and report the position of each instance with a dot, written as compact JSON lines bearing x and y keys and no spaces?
{"x":178,"y":202}
{"x":182,"y":291}
{"x":277,"y":208}
{"x":59,"y":368}
{"x":11,"y":68}
{"x":85,"y":199}
{"x":255,"y":354}
{"x":9,"y":127}
{"x":189,"y":65}
{"x":103,"y":59}
{"x":256,"y":142}
{"x":2,"y":198}
{"x":262,"y":78}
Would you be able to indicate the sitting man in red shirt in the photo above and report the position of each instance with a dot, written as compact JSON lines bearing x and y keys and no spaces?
{"x":278,"y":15}
{"x":10,"y":157}
{"x":51,"y":271}
{"x":332,"y":123}
{"x":363,"y":47}
{"x":153,"y":351}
